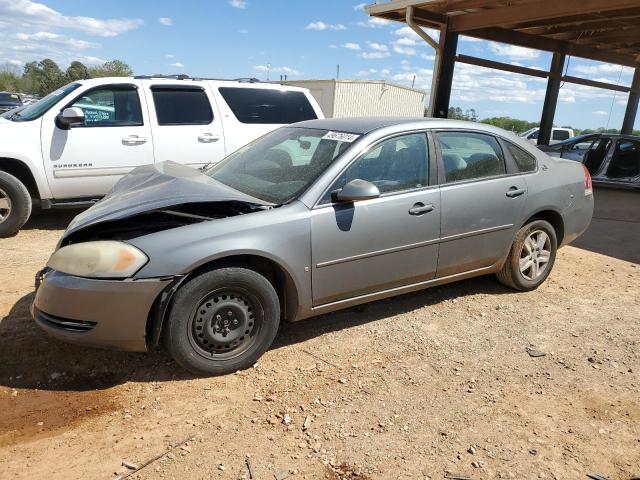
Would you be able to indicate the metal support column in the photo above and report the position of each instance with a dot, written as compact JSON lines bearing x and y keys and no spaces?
{"x":444,"y":80}
{"x":551,"y":98}
{"x":632,"y":105}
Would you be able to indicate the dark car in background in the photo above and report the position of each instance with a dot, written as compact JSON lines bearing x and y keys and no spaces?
{"x":613,"y":160}
{"x":9,"y":101}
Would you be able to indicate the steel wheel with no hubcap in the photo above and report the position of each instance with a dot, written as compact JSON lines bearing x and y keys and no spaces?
{"x":224,"y":325}
{"x":5,"y":206}
{"x":535,"y":255}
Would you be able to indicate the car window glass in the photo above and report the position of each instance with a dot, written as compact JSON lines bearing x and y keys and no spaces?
{"x":181,"y":106}
{"x":525,"y":161}
{"x":270,"y":106}
{"x":626,"y":160}
{"x":560,"y":135}
{"x":534,"y":135}
{"x":468,"y":156}
{"x":280,"y":165}
{"x":110,"y":106}
{"x":400,"y":163}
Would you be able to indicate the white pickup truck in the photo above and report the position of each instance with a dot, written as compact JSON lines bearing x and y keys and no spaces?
{"x":71,"y":147}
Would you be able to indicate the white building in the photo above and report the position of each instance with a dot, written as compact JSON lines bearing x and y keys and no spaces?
{"x":364,"y":98}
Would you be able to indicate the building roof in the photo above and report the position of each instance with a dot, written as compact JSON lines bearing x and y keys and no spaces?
{"x":604,"y":30}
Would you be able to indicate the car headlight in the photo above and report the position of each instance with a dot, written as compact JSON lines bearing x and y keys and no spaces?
{"x":100,"y":259}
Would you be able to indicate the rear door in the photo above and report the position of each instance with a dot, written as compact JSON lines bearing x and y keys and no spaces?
{"x":624,"y":165}
{"x":482,"y":203}
{"x":87,"y":160}
{"x":186,"y":125}
{"x":382,"y":243}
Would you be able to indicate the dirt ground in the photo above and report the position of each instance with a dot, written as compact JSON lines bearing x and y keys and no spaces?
{"x":428,"y":385}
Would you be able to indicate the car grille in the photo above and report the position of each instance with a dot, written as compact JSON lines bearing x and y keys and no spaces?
{"x":65,"y":323}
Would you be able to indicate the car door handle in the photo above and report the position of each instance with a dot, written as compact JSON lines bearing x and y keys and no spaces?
{"x":420,"y":208}
{"x":208,"y":138}
{"x":515,"y":192}
{"x":133,"y":140}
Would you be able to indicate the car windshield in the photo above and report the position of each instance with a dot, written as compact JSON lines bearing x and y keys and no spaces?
{"x":279,"y":166}
{"x":10,"y":98}
{"x":38,"y":108}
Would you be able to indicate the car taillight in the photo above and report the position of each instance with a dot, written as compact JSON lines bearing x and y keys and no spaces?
{"x":588,"y":186}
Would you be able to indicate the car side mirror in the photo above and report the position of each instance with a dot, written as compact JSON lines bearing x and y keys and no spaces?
{"x":70,"y":117}
{"x":355,"y":191}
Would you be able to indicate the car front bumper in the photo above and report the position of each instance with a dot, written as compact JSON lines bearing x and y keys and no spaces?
{"x":99,"y":313}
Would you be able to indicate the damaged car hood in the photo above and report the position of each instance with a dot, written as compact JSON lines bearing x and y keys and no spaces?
{"x":155,"y":186}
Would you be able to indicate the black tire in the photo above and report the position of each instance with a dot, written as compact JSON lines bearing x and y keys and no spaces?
{"x":13,"y":218}
{"x":511,"y":274}
{"x":222,"y":321}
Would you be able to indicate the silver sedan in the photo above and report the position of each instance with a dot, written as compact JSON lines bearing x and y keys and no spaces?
{"x":309,"y":219}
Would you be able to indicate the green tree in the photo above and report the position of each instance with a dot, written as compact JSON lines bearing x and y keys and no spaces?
{"x":77,"y":71}
{"x":113,"y":68}
{"x":44,"y":76}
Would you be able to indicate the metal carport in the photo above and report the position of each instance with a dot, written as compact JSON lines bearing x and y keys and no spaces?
{"x":603,"y":30}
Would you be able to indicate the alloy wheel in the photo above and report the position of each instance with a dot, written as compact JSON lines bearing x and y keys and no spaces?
{"x":535,"y":255}
{"x":5,"y":206}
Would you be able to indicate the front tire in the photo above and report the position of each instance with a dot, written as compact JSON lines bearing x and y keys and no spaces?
{"x":15,"y":205}
{"x":531,"y":257}
{"x":222,"y":321}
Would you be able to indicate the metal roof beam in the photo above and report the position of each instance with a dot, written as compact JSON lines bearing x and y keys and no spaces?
{"x":544,"y":9}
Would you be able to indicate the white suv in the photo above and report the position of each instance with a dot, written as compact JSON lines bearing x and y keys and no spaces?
{"x":71,"y":147}
{"x":557,"y":135}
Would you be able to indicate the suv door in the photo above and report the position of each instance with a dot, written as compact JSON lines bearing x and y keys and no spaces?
{"x":186,"y":128}
{"x":86,"y":160}
{"x":372,"y":245}
{"x":482,"y":206}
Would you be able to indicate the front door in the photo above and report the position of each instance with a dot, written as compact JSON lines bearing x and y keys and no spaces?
{"x":186,"y":128}
{"x":624,"y":165}
{"x":377,"y":244}
{"x":87,"y":160}
{"x":481,"y":206}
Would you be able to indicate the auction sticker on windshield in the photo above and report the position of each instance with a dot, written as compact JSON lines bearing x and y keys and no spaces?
{"x":340,"y":136}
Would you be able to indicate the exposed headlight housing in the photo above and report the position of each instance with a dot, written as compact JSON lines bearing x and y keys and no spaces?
{"x":100,"y":259}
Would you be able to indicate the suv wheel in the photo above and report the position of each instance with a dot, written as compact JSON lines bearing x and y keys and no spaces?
{"x":531,"y":258}
{"x":15,"y":205}
{"x":222,"y":321}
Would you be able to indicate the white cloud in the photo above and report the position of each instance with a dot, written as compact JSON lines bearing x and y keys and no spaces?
{"x":169,"y":55}
{"x":377,"y":51}
{"x":602,"y":68}
{"x":366,"y":73}
{"x":271,"y":69}
{"x":333,"y":45}
{"x":55,"y":38}
{"x":243,"y":31}
{"x":410,"y":34}
{"x":380,"y":47}
{"x":426,"y":56}
{"x":374,"y":22}
{"x":513,"y":52}
{"x":320,"y":25}
{"x":600,"y":112}
{"x":27,"y":14}
{"x":359,"y":6}
{"x":406,"y":41}
{"x":404,"y":50}
{"x":176,"y":65}
{"x":166,"y":21}
{"x":238,"y":4}
{"x":351,"y":46}
{"x":89,"y":60}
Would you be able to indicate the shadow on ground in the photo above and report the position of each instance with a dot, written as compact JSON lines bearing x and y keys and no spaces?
{"x":30,"y":359}
{"x":615,"y":228}
{"x":51,"y":219}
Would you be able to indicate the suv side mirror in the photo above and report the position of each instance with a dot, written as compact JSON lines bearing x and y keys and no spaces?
{"x":355,"y":191}
{"x":70,"y":117}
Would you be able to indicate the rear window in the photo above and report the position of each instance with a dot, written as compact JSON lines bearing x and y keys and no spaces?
{"x":260,"y":105}
{"x":181,"y":105}
{"x":525,"y":161}
{"x":560,"y":135}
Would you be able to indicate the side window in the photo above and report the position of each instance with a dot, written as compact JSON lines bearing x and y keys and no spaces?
{"x":181,"y":105}
{"x":534,"y":135}
{"x":400,"y":163}
{"x":560,"y":135}
{"x":111,"y":106}
{"x":269,"y":106}
{"x":469,"y":156}
{"x":525,"y":161}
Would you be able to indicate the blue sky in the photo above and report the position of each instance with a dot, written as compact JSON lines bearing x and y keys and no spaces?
{"x":238,"y":38}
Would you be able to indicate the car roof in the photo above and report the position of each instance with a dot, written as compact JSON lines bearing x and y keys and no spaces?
{"x":364,"y":125}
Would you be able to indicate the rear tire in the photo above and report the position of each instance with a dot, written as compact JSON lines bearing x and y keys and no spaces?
{"x":15,"y":205}
{"x":531,"y":257}
{"x":222,"y":321}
